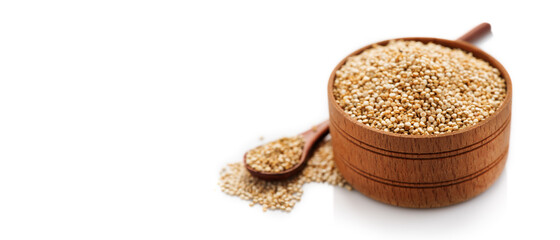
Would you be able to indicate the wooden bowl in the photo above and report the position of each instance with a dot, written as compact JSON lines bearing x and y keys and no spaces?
{"x":422,"y":171}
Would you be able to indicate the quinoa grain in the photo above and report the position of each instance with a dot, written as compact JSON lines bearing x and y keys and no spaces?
{"x":281,"y":195}
{"x":412,"y":88}
{"x":276,"y":156}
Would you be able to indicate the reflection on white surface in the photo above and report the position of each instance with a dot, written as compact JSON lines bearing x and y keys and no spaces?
{"x":358,"y":211}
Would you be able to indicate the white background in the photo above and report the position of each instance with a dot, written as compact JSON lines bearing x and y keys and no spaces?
{"x":116,"y":116}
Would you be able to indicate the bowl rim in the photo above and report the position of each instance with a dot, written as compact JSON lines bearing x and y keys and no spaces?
{"x":465,"y":46}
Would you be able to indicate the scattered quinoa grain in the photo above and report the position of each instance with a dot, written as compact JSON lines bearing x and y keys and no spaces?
{"x":281,"y":195}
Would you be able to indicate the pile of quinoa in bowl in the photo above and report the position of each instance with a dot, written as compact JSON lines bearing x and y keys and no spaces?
{"x":415,"y":88}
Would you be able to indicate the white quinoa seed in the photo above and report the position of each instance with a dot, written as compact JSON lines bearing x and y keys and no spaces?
{"x":409,"y":87}
{"x":276,"y":156}
{"x":281,"y":195}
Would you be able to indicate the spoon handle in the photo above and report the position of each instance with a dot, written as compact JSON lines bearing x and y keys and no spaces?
{"x":311,"y":138}
{"x":318,"y":131}
{"x":476,"y":33}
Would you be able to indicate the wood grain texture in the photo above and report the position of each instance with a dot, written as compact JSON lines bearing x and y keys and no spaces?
{"x":422,"y":171}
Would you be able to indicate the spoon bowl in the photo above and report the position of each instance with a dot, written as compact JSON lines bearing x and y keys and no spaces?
{"x":310,"y":138}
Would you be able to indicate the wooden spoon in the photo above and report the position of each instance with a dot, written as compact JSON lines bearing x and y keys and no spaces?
{"x":310,"y":138}
{"x":476,"y":33}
